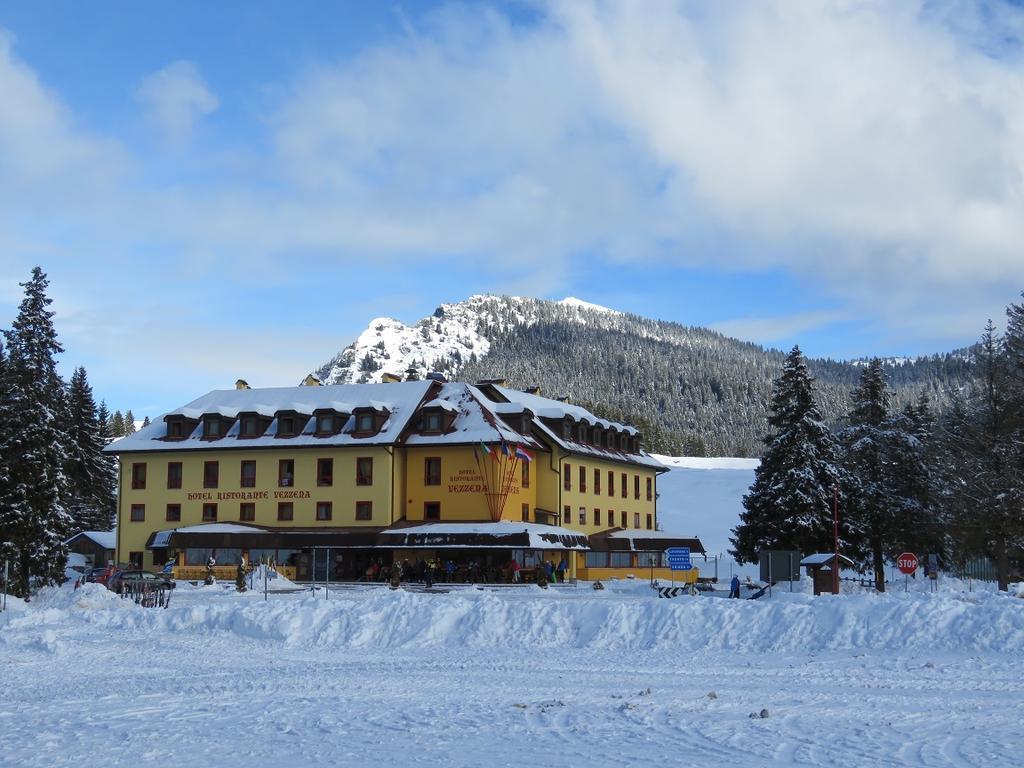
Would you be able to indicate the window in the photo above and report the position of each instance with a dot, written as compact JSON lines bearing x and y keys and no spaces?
{"x":365,"y":422}
{"x":636,"y":519}
{"x":324,"y":510}
{"x":286,"y":472}
{"x":432,"y":470}
{"x":248,"y":474}
{"x":249,"y":426}
{"x":597,"y":559}
{"x":174,"y":474}
{"x":135,"y":560}
{"x":364,"y":510}
{"x":566,"y":514}
{"x":611,"y":483}
{"x":583,"y":515}
{"x":597,"y":481}
{"x":325,"y":424}
{"x":432,"y":510}
{"x":650,"y":489}
{"x":620,"y":559}
{"x":211,"y":429}
{"x":325,"y":472}
{"x":364,"y":470}
{"x":525,"y":472}
{"x":433,"y":422}
{"x":247,"y":512}
{"x":625,"y":484}
{"x":636,"y":486}
{"x":175,"y":430}
{"x":209,"y":513}
{"x":285,"y":510}
{"x":650,"y":521}
{"x":138,"y":513}
{"x":625,"y":520}
{"x":139,"y":476}
{"x":211,"y":474}
{"x":526,"y":513}
{"x":597,"y":516}
{"x":583,"y":479}
{"x":173,"y":513}
{"x":286,"y":426}
{"x":567,"y":477}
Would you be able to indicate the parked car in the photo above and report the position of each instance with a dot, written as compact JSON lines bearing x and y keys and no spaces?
{"x":95,"y":575}
{"x":134,"y":575}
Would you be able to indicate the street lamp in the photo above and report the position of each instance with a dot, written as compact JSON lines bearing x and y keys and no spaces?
{"x":835,"y":522}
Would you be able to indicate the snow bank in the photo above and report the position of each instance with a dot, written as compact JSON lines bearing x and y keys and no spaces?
{"x":534,"y":619}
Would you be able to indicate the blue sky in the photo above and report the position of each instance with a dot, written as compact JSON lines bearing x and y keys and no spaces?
{"x":234,"y":189}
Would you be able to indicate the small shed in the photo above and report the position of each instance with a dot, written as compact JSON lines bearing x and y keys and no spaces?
{"x":96,"y":546}
{"x":820,"y":567}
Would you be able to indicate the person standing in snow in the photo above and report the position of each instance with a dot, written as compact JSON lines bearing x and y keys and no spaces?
{"x":563,"y":566}
{"x":514,"y":567}
{"x":549,"y":569}
{"x":734,"y":586}
{"x":210,"y":565}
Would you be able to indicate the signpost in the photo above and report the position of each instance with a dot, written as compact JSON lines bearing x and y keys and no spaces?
{"x":678,"y":560}
{"x":907,"y":563}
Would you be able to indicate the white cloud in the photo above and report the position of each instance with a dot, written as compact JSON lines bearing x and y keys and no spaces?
{"x":175,"y":99}
{"x":766,"y":330}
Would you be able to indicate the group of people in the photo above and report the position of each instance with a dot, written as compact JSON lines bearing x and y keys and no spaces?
{"x":546,"y":571}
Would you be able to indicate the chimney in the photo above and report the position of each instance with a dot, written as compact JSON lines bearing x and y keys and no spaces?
{"x":311,"y":381}
{"x":532,"y":391}
{"x":389,"y":378}
{"x":242,"y":384}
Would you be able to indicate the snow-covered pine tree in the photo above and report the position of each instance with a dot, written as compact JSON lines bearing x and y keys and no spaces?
{"x":89,"y":471}
{"x":790,"y":504}
{"x":145,"y":421}
{"x":8,"y":518}
{"x":982,"y":464}
{"x":117,"y":425}
{"x":866,"y":445}
{"x":33,"y":515}
{"x":129,"y":422}
{"x":103,"y":422}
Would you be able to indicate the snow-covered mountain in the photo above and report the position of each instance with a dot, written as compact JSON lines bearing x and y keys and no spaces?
{"x":452,"y":336}
{"x":690,"y":390}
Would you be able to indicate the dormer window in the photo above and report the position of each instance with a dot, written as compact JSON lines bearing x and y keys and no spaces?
{"x":179,"y":427}
{"x":365,"y":422}
{"x":329,"y":422}
{"x":432,"y":422}
{"x":215,"y":427}
{"x":290,"y":423}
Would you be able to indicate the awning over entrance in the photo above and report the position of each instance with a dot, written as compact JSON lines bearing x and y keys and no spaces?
{"x":620,"y":540}
{"x":484,"y":535}
{"x":239,"y":536}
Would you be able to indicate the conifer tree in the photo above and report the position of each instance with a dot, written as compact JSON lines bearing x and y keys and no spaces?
{"x":89,"y":471}
{"x":103,"y":425}
{"x":790,"y":504}
{"x":117,"y":425}
{"x":34,"y":522}
{"x":983,"y":463}
{"x":145,"y":422}
{"x":129,"y":423}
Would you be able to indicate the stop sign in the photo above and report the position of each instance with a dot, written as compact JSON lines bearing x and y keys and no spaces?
{"x":907,"y":563}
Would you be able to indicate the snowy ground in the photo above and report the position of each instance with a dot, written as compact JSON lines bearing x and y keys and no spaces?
{"x":567,"y":677}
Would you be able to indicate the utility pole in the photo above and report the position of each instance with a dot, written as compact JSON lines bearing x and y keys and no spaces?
{"x":835,"y":521}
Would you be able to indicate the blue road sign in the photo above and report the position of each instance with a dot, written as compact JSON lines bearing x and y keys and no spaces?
{"x":679,"y":558}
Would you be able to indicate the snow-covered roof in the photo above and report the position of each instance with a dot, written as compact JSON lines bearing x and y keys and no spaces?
{"x":476,"y":420}
{"x":823,"y":558}
{"x":400,"y":400}
{"x":483,"y":535}
{"x":105,"y":539}
{"x":547,"y":408}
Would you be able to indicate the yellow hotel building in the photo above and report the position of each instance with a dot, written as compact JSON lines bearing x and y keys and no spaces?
{"x":341,"y":482}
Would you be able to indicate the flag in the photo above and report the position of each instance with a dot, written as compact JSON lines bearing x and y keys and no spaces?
{"x":504,"y":447}
{"x":487,"y":451}
{"x":522,"y":454}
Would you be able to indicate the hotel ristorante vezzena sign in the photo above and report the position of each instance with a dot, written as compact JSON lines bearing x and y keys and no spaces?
{"x":285,"y":493}
{"x":469,"y":481}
